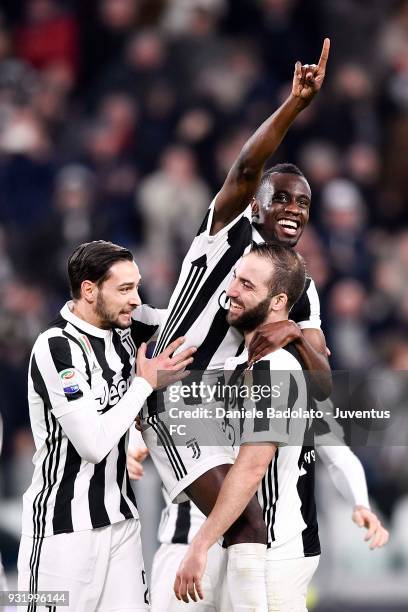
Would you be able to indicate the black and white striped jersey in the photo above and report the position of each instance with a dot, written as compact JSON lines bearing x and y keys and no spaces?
{"x":179,"y":522}
{"x":76,"y":366}
{"x":198,"y":304}
{"x":286,"y":492}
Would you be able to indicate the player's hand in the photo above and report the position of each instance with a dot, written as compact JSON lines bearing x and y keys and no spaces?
{"x":270,"y":337}
{"x":134,"y":459}
{"x":376,"y":534}
{"x":190,"y":573}
{"x":308,"y":78}
{"x":166,"y":368}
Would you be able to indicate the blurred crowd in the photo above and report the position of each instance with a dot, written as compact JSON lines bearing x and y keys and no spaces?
{"x":119,"y":119}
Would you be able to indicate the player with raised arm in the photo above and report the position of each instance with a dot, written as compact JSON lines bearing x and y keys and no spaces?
{"x":197,"y":309}
{"x":80,"y":528}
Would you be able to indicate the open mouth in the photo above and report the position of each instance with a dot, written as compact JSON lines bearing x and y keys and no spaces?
{"x":289,"y":226}
{"x":235,"y":307}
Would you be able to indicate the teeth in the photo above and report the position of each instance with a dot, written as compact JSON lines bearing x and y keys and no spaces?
{"x":288,"y":222}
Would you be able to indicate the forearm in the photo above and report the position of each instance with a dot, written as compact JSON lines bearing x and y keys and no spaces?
{"x":245,"y":174}
{"x":238,"y":488}
{"x":236,"y":492}
{"x":264,"y":142}
{"x":346,"y":473}
{"x":93,"y":435}
{"x":317,"y":364}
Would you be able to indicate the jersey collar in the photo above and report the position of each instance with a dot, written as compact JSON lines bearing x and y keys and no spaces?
{"x":83,"y":325}
{"x":256,"y":236}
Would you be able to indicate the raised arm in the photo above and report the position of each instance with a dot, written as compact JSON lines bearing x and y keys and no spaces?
{"x":243,"y":178}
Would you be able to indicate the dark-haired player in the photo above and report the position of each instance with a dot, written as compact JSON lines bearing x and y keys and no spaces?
{"x":198,"y":306}
{"x":80,"y":528}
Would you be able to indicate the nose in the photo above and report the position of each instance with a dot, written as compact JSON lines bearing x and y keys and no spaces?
{"x":135,"y":299}
{"x":293,"y":207}
{"x":232,"y":291}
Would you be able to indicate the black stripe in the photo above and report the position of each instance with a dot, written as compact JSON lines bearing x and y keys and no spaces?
{"x":262,"y":377}
{"x":98,"y":346}
{"x":129,"y":491}
{"x":264,"y":504}
{"x":165,"y":432}
{"x":301,"y":309}
{"x":292,"y":398}
{"x":152,"y":422}
{"x":276,"y":490}
{"x":169,"y":446}
{"x":183,"y":523}
{"x":270,"y":498}
{"x":96,"y":496}
{"x":142,"y":332}
{"x":120,"y":476}
{"x":128,"y":341}
{"x":190,"y":285}
{"x":192,"y":282}
{"x":123,"y":354}
{"x":62,"y":358}
{"x":203,"y":225}
{"x":62,"y":519}
{"x":238,"y":241}
{"x":305,"y":489}
{"x":216,"y":334}
{"x":77,"y":342}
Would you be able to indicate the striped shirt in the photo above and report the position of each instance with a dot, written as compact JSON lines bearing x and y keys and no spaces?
{"x":286,"y":492}
{"x":77,"y":366}
{"x":198,"y":304}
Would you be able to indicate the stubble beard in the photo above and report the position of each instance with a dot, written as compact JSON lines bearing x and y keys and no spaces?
{"x":108,"y":320}
{"x":251,"y":319}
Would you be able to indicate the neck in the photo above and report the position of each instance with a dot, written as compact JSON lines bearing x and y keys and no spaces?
{"x":273,"y":317}
{"x":83,"y":311}
{"x":264,"y":233}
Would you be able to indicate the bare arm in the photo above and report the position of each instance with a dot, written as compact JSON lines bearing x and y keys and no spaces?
{"x":244,"y":176}
{"x":311,"y":345}
{"x":236,"y":492}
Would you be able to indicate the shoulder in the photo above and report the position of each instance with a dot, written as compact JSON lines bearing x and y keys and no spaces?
{"x":281,"y":359}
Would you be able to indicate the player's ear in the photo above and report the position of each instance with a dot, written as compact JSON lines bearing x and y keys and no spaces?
{"x":88,"y":291}
{"x":255,"y":207}
{"x":279,"y":302}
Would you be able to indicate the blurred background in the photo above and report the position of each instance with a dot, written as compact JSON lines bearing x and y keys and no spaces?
{"x":119,"y":119}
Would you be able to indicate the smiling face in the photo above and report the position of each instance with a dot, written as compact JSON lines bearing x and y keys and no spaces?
{"x":282,"y":207}
{"x":249,"y":294}
{"x":117,"y":296}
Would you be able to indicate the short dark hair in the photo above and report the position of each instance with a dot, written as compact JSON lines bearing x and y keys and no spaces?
{"x":285,"y":168}
{"x":92,"y":261}
{"x":289,"y":269}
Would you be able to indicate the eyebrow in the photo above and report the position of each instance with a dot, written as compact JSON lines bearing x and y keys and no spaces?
{"x":246,"y":280}
{"x":129,"y":284}
{"x":284,"y":191}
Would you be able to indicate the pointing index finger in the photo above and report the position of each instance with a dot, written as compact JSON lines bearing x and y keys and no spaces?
{"x":324,"y":56}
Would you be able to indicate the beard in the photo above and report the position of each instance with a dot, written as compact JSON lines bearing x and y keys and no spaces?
{"x":250,"y":319}
{"x":109,"y":320}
